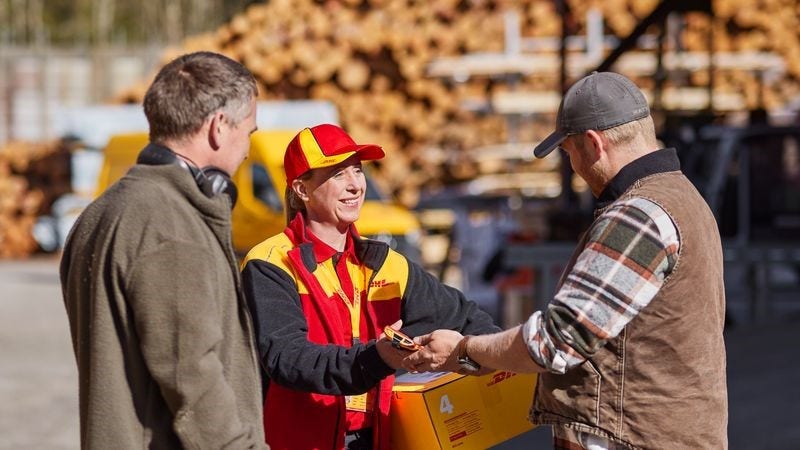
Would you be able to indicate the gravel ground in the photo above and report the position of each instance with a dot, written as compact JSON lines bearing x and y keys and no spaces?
{"x":38,"y":378}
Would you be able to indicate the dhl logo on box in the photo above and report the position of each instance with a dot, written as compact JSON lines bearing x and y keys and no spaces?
{"x":452,"y":411}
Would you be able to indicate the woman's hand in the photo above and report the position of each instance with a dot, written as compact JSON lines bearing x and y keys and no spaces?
{"x":392,"y":356}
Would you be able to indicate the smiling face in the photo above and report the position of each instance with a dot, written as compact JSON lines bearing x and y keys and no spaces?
{"x":333,"y":196}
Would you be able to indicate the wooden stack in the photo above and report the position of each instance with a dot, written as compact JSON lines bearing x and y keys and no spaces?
{"x":32,"y":176}
{"x":370,"y":57}
{"x":741,"y":26}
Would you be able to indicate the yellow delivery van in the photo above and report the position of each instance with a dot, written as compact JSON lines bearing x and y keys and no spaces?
{"x":259,"y":211}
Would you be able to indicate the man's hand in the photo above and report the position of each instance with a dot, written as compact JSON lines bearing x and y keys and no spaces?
{"x":437,"y":353}
{"x":393,"y":357}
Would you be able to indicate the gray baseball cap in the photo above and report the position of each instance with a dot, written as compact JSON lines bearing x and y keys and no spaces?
{"x":598,"y":101}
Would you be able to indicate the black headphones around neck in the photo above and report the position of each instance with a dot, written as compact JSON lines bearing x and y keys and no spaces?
{"x":211,"y":180}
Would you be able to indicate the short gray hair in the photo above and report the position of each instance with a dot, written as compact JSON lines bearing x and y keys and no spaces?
{"x":191,"y":88}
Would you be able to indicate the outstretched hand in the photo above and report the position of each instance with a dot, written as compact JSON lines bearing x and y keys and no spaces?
{"x":393,"y":357}
{"x":437,"y":353}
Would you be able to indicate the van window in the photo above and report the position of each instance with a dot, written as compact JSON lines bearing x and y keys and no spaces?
{"x":264,"y":188}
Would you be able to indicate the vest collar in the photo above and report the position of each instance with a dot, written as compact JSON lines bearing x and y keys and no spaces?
{"x":659,"y":161}
{"x":313,"y":251}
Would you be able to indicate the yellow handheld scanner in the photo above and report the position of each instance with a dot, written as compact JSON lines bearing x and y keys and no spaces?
{"x":400,"y":340}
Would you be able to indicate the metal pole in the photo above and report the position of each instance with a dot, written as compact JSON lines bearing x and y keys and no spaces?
{"x":512,"y":33}
{"x":5,"y":96}
{"x":594,"y":35}
{"x":660,"y":75}
{"x":513,"y":46}
{"x":568,"y":197}
{"x":711,"y":68}
{"x":563,"y":11}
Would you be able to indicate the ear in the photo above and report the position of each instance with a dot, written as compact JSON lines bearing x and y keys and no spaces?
{"x":299,"y":188}
{"x":598,"y":145}
{"x":215,"y":130}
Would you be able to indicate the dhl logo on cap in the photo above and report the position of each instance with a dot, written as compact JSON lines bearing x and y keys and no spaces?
{"x":323,"y":145}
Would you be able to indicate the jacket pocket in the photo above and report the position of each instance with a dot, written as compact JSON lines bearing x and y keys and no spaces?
{"x":574,"y":395}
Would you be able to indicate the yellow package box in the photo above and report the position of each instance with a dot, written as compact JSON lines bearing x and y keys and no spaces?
{"x":450,"y":411}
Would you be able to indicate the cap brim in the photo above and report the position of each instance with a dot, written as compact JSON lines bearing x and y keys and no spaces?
{"x":365,"y":152}
{"x":549,"y":144}
{"x":369,"y":152}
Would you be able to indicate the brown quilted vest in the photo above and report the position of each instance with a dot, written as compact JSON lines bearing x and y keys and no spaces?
{"x":661,"y":383}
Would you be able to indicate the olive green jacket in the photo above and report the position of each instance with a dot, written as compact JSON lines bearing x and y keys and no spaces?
{"x":161,"y":332}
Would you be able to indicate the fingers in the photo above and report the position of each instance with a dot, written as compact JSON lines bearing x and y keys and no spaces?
{"x":424,"y":339}
{"x":392,"y":356}
{"x":412,"y":362}
{"x":395,"y":326}
{"x":426,"y":361}
{"x":436,"y":353}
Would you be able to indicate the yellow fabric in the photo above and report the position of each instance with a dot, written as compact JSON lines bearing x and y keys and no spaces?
{"x":274,"y":250}
{"x":391,"y":280}
{"x":389,"y":283}
{"x":313,"y":152}
{"x":357,"y":279}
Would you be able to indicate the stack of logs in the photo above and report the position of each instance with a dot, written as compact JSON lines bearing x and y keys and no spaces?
{"x":369,"y":57}
{"x":32,"y":176}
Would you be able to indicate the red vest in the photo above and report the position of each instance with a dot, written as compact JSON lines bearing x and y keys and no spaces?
{"x":303,"y":420}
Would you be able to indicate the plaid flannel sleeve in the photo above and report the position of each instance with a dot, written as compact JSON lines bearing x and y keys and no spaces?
{"x":631,"y":249}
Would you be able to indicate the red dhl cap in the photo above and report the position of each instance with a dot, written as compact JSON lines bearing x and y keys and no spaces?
{"x":323,"y":146}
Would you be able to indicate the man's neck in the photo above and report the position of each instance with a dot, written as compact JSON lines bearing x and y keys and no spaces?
{"x":189,"y":150}
{"x":618,"y":159}
{"x":650,"y":163}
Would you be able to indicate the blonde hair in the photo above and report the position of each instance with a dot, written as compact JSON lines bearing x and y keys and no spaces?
{"x":623,"y":135}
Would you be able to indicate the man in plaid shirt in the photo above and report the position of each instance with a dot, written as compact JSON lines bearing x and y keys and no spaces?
{"x":630,"y":350}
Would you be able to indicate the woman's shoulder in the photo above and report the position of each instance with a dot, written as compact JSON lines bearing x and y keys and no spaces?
{"x":272,"y":249}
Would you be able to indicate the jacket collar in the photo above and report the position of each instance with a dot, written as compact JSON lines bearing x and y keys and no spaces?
{"x":313,"y":251}
{"x":173,"y":176}
{"x":321,"y":250}
{"x":659,"y":161}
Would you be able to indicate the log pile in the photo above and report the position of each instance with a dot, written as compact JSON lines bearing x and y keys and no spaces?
{"x":32,"y":176}
{"x":369,"y":57}
{"x":737,"y":26}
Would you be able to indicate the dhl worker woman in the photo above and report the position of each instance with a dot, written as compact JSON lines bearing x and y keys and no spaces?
{"x":321,"y":295}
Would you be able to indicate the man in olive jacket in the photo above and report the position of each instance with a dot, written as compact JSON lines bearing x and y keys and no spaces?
{"x":161,"y":332}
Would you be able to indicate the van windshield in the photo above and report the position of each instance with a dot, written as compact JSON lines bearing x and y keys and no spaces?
{"x":264,"y":188}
